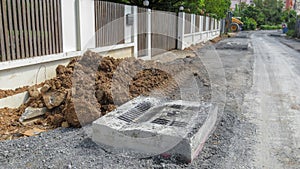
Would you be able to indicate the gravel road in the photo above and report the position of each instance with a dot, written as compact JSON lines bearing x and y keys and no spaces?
{"x":274,"y":103}
{"x":259,"y":127}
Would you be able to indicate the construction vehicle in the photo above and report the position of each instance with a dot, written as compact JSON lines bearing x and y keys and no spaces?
{"x":233,"y":24}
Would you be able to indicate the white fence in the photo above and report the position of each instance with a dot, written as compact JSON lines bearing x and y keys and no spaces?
{"x":80,"y":21}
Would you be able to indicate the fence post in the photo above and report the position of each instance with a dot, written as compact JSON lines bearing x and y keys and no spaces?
{"x":128,"y":28}
{"x":68,"y":25}
{"x":180,"y":28}
{"x":135,"y":31}
{"x":148,"y":44}
{"x":193,"y":22}
{"x":207,"y":28}
{"x":87,"y":24}
{"x":201,"y":27}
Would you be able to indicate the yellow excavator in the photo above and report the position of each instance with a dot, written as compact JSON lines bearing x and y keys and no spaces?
{"x":233,"y":24}
{"x":236,"y":24}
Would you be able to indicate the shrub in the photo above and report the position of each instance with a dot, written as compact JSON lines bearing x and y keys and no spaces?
{"x":270,"y":27}
{"x":249,"y":24}
{"x":291,"y":33}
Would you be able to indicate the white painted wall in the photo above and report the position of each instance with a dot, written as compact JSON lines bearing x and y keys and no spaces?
{"x":30,"y":74}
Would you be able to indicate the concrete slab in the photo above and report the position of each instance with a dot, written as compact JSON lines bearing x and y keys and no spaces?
{"x":153,"y":126}
{"x":14,"y":101}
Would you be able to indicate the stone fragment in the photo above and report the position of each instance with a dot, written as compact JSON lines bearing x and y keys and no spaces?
{"x":53,"y":99}
{"x":31,"y":113}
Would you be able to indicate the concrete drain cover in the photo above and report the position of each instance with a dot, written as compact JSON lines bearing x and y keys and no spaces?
{"x":153,"y":126}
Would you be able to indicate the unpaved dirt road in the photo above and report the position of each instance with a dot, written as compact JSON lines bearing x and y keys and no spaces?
{"x":274,"y":103}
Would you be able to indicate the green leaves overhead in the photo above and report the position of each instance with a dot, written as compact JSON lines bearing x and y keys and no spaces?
{"x":216,"y":8}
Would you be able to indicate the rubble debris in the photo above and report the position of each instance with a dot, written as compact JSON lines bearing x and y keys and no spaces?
{"x":91,"y":86}
{"x":31,"y":112}
{"x":54,"y":98}
{"x":33,"y":132}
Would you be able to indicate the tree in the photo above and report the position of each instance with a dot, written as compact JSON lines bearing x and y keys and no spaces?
{"x":253,"y":12}
{"x":194,"y":6}
{"x":217,"y":7}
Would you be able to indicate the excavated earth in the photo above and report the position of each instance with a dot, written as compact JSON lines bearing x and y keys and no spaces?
{"x":91,"y":86}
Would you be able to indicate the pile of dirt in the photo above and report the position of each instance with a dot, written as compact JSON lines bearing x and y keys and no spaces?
{"x":91,"y":86}
{"x":7,"y":93}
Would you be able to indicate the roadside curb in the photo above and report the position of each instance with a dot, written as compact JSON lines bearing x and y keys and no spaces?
{"x":290,"y":45}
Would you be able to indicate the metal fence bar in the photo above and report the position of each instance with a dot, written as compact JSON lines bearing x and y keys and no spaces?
{"x":164,"y":31}
{"x":2,"y":44}
{"x":108,"y":30}
{"x":6,"y":30}
{"x":17,"y":32}
{"x":30,"y":28}
{"x":38,"y":30}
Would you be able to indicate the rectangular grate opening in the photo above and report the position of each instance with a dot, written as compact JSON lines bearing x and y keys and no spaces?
{"x":160,"y":121}
{"x":144,"y":106}
{"x":176,"y":106}
{"x":135,"y":112}
{"x":172,"y":113}
{"x":178,"y":124}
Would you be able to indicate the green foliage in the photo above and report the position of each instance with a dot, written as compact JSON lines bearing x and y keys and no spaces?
{"x":217,"y":7}
{"x":252,"y":12}
{"x":249,"y":24}
{"x":291,"y":19}
{"x":265,"y":12}
{"x":291,"y":33}
{"x":270,"y":27}
{"x":170,"y":5}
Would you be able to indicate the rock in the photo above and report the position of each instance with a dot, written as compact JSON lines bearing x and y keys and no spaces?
{"x":33,"y":92}
{"x":33,"y":132}
{"x":31,"y":112}
{"x":60,"y":69}
{"x":45,"y":88}
{"x":55,"y":119}
{"x":80,"y":113}
{"x":54,"y":99}
{"x":65,"y":124}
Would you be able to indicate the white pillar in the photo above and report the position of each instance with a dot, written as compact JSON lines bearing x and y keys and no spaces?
{"x":135,"y":31}
{"x":68,"y":25}
{"x":193,"y":28}
{"x":128,"y":29}
{"x":180,"y":28}
{"x":148,"y":34}
{"x":207,"y":23}
{"x":87,"y":24}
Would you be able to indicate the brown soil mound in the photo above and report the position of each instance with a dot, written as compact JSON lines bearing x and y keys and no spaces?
{"x":89,"y":87}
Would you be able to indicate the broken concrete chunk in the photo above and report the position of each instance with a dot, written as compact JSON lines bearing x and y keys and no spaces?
{"x":54,"y":99}
{"x":31,"y":112}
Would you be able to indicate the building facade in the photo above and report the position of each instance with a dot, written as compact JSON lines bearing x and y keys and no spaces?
{"x":234,"y":2}
{"x":292,"y":4}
